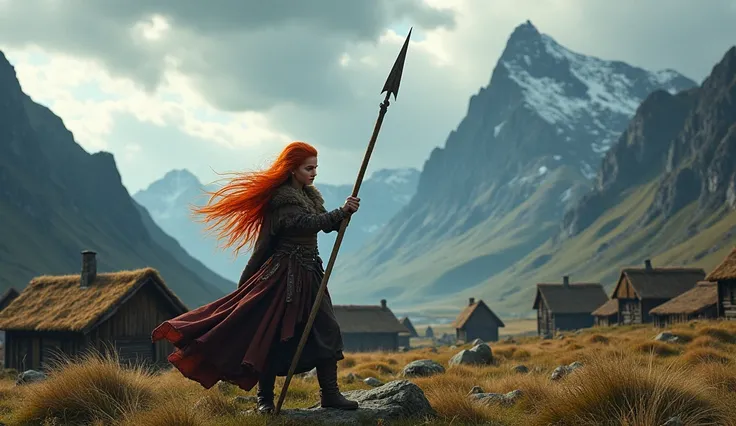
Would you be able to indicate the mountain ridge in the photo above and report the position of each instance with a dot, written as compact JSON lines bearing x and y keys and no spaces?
{"x":535,"y":132}
{"x":57,"y":200}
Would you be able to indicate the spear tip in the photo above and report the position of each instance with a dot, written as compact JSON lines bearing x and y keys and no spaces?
{"x":394,"y":77}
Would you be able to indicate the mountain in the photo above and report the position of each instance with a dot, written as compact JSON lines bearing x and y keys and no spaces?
{"x":526,"y":151}
{"x":169,"y":199}
{"x":666,"y":191}
{"x":57,"y":200}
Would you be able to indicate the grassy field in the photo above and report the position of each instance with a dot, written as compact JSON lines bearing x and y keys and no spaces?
{"x":627,"y":378}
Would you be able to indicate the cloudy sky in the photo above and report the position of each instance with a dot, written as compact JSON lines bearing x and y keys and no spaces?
{"x":222,"y":85}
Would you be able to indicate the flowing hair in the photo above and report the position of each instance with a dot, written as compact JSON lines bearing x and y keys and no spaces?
{"x":238,"y":208}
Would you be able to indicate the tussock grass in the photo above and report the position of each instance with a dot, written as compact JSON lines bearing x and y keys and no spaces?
{"x":94,"y":389}
{"x":627,"y":378}
{"x":615,"y":392}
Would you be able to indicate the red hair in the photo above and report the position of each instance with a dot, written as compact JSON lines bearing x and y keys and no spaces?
{"x":242,"y":202}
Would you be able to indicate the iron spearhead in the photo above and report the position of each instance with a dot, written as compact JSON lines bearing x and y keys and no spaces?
{"x":394,"y":77}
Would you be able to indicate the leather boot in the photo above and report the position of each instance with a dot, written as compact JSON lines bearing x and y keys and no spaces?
{"x":330,"y":396}
{"x":266,"y":384}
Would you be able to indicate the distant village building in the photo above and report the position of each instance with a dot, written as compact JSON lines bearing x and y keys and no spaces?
{"x":367,"y":328}
{"x":72,"y":314}
{"x":725,"y":277}
{"x":700,"y":302}
{"x":477,"y":321}
{"x":405,"y":338}
{"x":429,"y":333}
{"x":639,"y":290}
{"x":566,"y":306}
{"x":607,"y":314}
{"x":7,"y":297}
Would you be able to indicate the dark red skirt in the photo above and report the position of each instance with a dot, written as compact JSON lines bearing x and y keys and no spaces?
{"x":255,"y":329}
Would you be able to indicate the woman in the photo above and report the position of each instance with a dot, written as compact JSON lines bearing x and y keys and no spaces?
{"x":250,"y":335}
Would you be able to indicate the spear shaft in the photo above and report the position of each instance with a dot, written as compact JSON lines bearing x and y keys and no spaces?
{"x":391,"y":86}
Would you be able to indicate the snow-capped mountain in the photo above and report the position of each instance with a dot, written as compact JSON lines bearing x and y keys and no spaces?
{"x":168,"y":201}
{"x":527,"y":149}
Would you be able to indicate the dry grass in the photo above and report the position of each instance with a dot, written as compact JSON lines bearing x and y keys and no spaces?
{"x":627,"y":378}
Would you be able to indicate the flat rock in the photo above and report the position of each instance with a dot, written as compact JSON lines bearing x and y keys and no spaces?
{"x":396,"y":400}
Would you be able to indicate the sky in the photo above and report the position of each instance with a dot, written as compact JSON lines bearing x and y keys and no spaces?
{"x":224,"y":85}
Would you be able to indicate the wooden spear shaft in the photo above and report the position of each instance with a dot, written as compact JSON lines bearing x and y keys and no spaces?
{"x":391,"y":86}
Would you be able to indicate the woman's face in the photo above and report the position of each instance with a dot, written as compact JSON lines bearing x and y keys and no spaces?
{"x":305,"y":173}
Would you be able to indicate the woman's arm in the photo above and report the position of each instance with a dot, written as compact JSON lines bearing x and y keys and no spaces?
{"x":293,"y":217}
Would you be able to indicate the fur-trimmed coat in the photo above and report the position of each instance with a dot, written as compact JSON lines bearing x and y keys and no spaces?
{"x":291,"y":211}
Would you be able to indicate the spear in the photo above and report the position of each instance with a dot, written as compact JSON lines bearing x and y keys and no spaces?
{"x":391,"y":86}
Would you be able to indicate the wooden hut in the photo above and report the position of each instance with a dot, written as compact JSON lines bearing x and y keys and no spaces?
{"x":725,"y":277}
{"x":477,"y":321}
{"x":566,"y":305}
{"x":639,"y":290}
{"x":429,"y":333}
{"x":405,"y":338}
{"x":7,"y":297}
{"x":367,"y":328}
{"x":700,"y":302}
{"x":607,"y":314}
{"x":72,"y":314}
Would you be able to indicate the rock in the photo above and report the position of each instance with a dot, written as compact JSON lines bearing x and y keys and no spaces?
{"x":350,"y":378}
{"x":422,"y":368}
{"x":521,"y":369}
{"x":666,"y":336}
{"x":673,"y":421}
{"x":433,"y":350}
{"x":498,"y":398}
{"x":30,"y":376}
{"x":248,"y":399}
{"x":509,"y":340}
{"x":564,"y":370}
{"x":453,"y":347}
{"x":477,"y":342}
{"x":477,"y":355}
{"x":545,"y":336}
{"x":372,"y":381}
{"x":311,"y":374}
{"x":396,"y":400}
{"x":476,"y":389}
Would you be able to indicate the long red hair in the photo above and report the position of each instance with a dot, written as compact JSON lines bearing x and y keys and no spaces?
{"x":238,"y":207}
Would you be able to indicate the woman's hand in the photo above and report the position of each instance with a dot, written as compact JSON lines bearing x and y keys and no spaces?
{"x":351,"y":205}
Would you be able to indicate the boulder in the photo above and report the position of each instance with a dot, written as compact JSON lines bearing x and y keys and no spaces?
{"x":30,"y":376}
{"x":372,"y":381}
{"x":422,"y":368}
{"x":477,"y":355}
{"x":396,"y":400}
{"x":666,"y":336}
{"x":505,"y":399}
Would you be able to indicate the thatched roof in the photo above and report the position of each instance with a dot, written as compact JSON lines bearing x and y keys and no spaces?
{"x":607,"y":309}
{"x":470,"y":310}
{"x":702,"y":296}
{"x":59,"y":303}
{"x":573,"y":298}
{"x":406,"y":322}
{"x":726,"y":270}
{"x":7,"y":297}
{"x":660,"y":283}
{"x":367,"y":319}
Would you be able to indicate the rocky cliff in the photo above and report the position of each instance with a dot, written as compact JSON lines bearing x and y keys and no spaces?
{"x":528,"y":148}
{"x":57,"y":200}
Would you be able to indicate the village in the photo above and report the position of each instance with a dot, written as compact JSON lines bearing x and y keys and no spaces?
{"x":71,"y":314}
